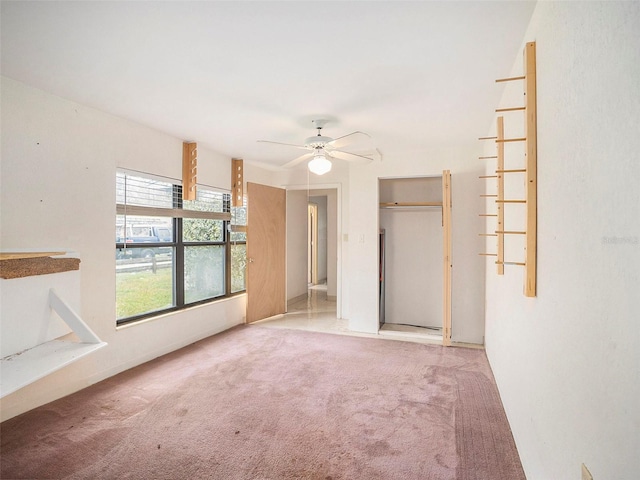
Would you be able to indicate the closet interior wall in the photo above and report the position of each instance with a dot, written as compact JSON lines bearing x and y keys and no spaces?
{"x":411,"y":217}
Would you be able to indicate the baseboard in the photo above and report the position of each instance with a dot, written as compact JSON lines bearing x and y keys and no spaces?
{"x":299,"y":298}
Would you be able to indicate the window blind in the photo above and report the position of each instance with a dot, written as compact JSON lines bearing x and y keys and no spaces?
{"x":152,"y":196}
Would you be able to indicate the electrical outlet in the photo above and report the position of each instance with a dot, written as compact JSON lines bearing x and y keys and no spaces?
{"x":586,"y":474}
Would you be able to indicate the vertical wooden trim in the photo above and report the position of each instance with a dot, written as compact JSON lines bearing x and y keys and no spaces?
{"x":499,"y":205}
{"x":237,"y":182}
{"x":312,"y":210}
{"x":446,"y":220}
{"x":227,"y":263}
{"x":531,"y":175}
{"x":189,"y":170}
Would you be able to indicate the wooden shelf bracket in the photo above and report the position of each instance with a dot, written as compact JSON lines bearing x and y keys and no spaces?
{"x":189,"y":170}
{"x":237,"y":182}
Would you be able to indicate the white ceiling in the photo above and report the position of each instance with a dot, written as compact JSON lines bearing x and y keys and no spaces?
{"x":225,"y":74}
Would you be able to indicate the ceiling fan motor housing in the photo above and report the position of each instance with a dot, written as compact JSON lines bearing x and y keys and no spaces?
{"x":317,"y":141}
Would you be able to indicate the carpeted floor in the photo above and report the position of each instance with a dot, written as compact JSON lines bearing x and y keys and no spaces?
{"x":261,"y":403}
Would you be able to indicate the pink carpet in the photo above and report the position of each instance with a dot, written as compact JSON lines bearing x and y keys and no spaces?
{"x":261,"y":403}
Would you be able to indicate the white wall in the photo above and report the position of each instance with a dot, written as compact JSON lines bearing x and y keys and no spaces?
{"x":567,"y":362}
{"x":413,"y":267}
{"x":332,"y":243}
{"x":297,"y":211}
{"x":58,"y":169}
{"x":468,"y":268}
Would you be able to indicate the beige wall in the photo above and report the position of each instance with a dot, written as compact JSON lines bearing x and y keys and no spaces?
{"x":59,"y":161}
{"x":296,"y":243}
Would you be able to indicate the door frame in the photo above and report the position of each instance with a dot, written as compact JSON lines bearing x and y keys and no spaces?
{"x":446,"y":253}
{"x":338,"y":188}
{"x":446,"y":258}
{"x":312,"y":242}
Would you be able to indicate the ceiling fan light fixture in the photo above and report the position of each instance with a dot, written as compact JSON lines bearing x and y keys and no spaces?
{"x":319,"y":165}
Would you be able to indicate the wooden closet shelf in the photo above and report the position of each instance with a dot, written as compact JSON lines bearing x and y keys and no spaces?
{"x":510,"y":109}
{"x":510,"y":79}
{"x":410,"y":204}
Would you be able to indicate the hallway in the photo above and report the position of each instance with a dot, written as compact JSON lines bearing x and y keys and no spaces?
{"x":315,"y":313}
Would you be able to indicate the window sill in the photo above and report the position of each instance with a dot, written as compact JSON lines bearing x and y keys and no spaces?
{"x":177,"y":312}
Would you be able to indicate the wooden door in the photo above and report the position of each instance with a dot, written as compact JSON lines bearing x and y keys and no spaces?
{"x":266,"y":230}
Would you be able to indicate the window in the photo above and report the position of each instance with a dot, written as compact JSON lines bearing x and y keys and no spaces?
{"x":238,"y":237}
{"x":171,"y":253}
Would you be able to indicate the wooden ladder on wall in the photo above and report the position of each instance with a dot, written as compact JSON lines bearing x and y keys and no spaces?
{"x":530,"y":177}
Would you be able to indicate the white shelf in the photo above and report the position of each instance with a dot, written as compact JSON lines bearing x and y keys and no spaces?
{"x":37,"y":322}
{"x":21,"y":369}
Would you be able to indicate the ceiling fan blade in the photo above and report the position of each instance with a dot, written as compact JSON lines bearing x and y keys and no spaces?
{"x":375,"y":154}
{"x":298,"y":160}
{"x":286,"y":144}
{"x":351,"y":157}
{"x":348,"y":139}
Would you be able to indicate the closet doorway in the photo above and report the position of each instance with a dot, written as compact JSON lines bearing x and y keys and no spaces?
{"x":415,"y":256}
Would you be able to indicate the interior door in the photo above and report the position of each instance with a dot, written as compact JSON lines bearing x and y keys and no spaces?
{"x":266,"y":230}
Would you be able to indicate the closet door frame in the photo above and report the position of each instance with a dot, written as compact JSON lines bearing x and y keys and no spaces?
{"x":445,"y":206}
{"x":447,"y":265}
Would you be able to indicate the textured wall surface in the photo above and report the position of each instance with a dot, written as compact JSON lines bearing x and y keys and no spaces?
{"x":567,"y":362}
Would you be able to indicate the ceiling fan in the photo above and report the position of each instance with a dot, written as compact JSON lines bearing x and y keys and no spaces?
{"x":322,"y":148}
